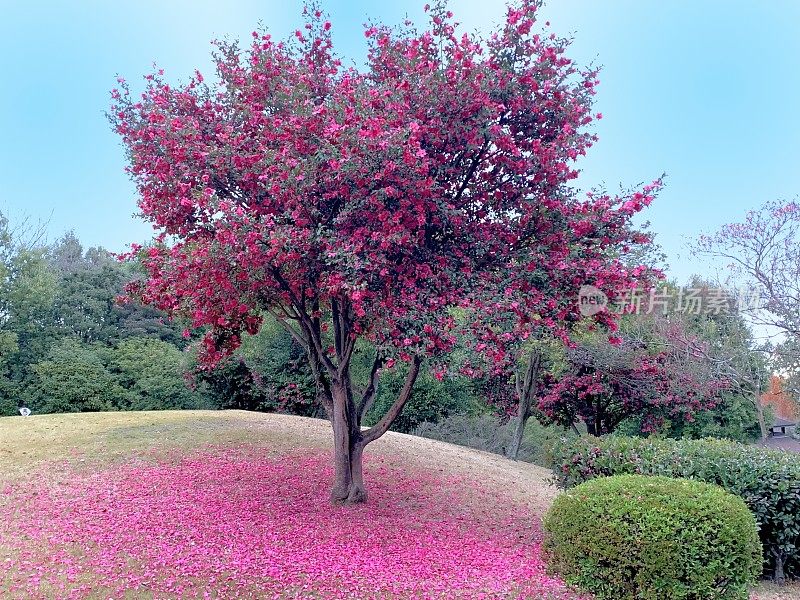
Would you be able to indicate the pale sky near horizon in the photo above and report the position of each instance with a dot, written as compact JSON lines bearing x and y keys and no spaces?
{"x":704,"y":91}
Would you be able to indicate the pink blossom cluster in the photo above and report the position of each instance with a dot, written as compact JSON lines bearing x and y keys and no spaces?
{"x":237,"y":523}
{"x":606,"y":384}
{"x":437,"y":176}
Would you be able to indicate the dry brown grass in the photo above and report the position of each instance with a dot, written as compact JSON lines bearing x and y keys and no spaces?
{"x":97,"y":439}
{"x":104,"y":437}
{"x":101,"y":438}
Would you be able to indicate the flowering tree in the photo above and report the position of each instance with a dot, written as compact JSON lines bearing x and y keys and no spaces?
{"x":654,"y":370}
{"x":604,"y":249}
{"x":365,"y":204}
{"x":763,"y":256}
{"x":517,"y":346}
{"x":763,"y":253}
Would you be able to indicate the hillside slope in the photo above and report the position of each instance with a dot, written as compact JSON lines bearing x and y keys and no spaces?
{"x":102,"y":438}
{"x":49,"y":461}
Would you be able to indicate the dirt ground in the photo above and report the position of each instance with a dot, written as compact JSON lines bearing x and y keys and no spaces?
{"x":783,"y":443}
{"x":96,"y":439}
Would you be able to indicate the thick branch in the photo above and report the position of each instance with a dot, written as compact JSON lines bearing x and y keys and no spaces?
{"x":338,"y":327}
{"x":368,"y":397}
{"x":344,"y":342}
{"x":323,"y":387}
{"x":296,"y":335}
{"x":310,"y":327}
{"x":382,"y":426}
{"x":531,"y":374}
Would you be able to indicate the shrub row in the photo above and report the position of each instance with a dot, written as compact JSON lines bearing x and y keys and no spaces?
{"x":767,"y":480}
{"x":632,"y":537}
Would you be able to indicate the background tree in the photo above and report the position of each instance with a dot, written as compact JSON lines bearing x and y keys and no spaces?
{"x":787,"y":360}
{"x":365,"y":205}
{"x":8,"y":338}
{"x":719,"y":333}
{"x":66,"y":255}
{"x":607,"y":258}
{"x":154,"y":372}
{"x":86,"y":302}
{"x":60,"y":322}
{"x":9,"y":390}
{"x":431,"y":400}
{"x":280,"y":370}
{"x":31,"y":291}
{"x":762,"y":253}
{"x":644,"y":372}
{"x":74,"y":378}
{"x":231,"y":384}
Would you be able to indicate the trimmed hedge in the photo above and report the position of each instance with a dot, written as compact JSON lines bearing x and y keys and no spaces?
{"x":653,"y":538}
{"x":767,"y":480}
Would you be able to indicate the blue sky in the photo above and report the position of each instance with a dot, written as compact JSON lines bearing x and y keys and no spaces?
{"x":705,"y":91}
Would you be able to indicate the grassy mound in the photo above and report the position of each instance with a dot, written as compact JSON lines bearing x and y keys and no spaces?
{"x":236,"y":505}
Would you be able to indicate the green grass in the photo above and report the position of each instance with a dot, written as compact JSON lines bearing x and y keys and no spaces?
{"x":102,"y":438}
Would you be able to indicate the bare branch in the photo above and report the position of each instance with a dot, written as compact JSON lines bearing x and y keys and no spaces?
{"x":382,"y":426}
{"x":368,"y":397}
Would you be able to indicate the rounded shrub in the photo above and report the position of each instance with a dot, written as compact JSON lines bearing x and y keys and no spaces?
{"x":767,"y":480}
{"x":631,"y":536}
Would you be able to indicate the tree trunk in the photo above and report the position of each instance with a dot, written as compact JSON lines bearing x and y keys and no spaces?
{"x":348,"y":449}
{"x":762,"y":426}
{"x":349,"y":440}
{"x":343,"y":476}
{"x":526,"y":391}
{"x":512,"y":451}
{"x":348,"y":483}
{"x":779,"y":576}
{"x":334,"y":386}
{"x":357,"y":493}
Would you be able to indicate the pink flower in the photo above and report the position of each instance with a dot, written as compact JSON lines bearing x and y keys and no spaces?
{"x":223,"y":521}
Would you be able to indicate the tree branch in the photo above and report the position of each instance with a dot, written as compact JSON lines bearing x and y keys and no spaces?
{"x":296,"y":335}
{"x":368,"y":397}
{"x":382,"y":426}
{"x":306,"y":322}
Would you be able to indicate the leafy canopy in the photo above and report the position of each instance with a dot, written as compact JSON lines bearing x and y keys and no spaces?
{"x":436,"y":176}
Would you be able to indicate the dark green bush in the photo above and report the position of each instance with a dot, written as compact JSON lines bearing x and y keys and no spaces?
{"x":153,"y":372}
{"x":653,"y":538}
{"x":767,"y":480}
{"x":74,"y":378}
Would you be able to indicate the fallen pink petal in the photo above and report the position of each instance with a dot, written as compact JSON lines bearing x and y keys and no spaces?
{"x":235,"y":523}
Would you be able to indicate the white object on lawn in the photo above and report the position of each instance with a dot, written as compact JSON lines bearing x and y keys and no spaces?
{"x":25,"y":411}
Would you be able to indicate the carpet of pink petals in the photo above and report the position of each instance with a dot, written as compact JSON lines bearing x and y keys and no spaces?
{"x":236,"y":523}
